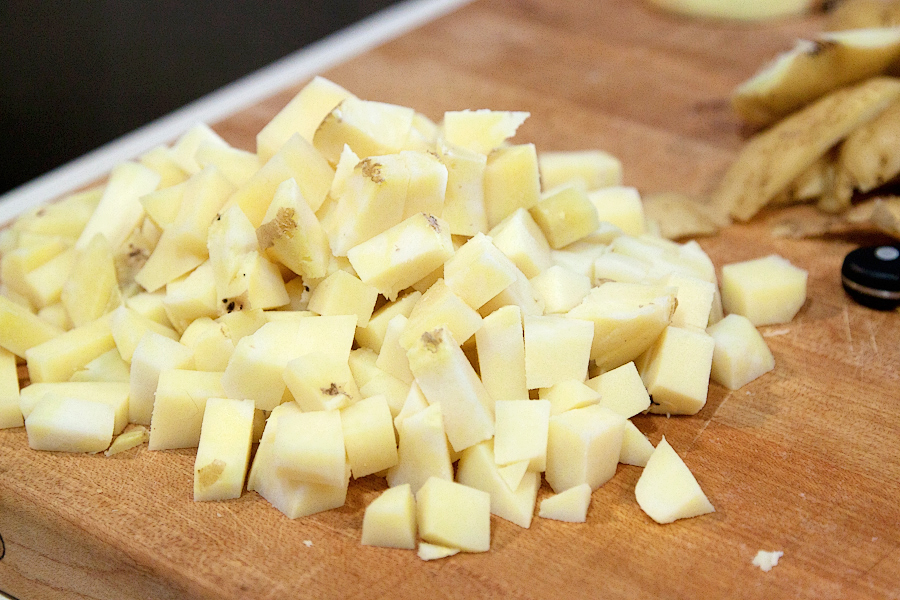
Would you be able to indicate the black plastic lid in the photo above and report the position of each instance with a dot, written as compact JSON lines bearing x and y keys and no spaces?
{"x":871,"y":276}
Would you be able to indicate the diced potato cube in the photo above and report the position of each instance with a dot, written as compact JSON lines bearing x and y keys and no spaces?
{"x":390,"y":520}
{"x":113,"y":394}
{"x":511,"y":182}
{"x":478,"y":271}
{"x":594,"y":168}
{"x":369,"y":128}
{"x":565,"y":215}
{"x":369,"y":436}
{"x":63,"y":424}
{"x":481,"y":130}
{"x":91,"y":290}
{"x":569,"y":394}
{"x":372,"y":335}
{"x":320,"y":381}
{"x":238,"y":166}
{"x":478,"y":469}
{"x":636,"y":448}
{"x":464,"y":198}
{"x":309,"y":447}
{"x":455,"y":515}
{"x":128,"y":327}
{"x":570,"y":505}
{"x":21,"y":329}
{"x":178,"y":409}
{"x":427,"y":184}
{"x":440,"y":307}
{"x":520,"y":238}
{"x":224,"y":449}
{"x":583,"y":446}
{"x":435,"y":551}
{"x":561,"y":289}
{"x":10,"y":413}
{"x":667,"y":490}
{"x":501,"y":354}
{"x":203,"y":197}
{"x":695,"y":300}
{"x":399,"y":257}
{"x":766,"y":290}
{"x":520,"y":293}
{"x":57,"y":359}
{"x":423,"y":450}
{"x":556,"y":349}
{"x":741,"y":354}
{"x":184,"y":150}
{"x":127,"y":440}
{"x":154,"y":354}
{"x":192,"y":297}
{"x":622,"y":390}
{"x":520,"y":432}
{"x":677,"y":371}
{"x":620,"y":206}
{"x":343,"y":294}
{"x":392,"y":359}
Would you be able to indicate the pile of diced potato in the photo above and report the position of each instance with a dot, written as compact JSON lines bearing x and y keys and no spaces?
{"x":371,"y":293}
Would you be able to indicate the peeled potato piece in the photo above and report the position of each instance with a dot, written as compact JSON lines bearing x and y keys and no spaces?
{"x":772,"y":159}
{"x":678,"y":216}
{"x":811,"y":184}
{"x":812,"y":69}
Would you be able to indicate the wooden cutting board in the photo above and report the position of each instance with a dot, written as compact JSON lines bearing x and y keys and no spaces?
{"x":804,"y":460}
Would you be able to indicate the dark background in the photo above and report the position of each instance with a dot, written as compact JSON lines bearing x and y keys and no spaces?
{"x":75,"y":75}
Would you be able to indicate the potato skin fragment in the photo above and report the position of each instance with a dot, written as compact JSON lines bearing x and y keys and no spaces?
{"x":771,"y":160}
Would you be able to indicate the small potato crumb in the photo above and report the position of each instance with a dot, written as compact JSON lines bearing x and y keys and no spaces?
{"x":766,"y":560}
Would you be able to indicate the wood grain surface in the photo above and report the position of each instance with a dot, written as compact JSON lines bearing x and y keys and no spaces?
{"x":804,"y":460}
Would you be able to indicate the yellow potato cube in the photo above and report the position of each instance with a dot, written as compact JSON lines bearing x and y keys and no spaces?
{"x":149,"y":305}
{"x":620,"y":206}
{"x":302,"y":115}
{"x":392,"y":358}
{"x":667,"y":490}
{"x":511,"y":182}
{"x":184,"y":149}
{"x":766,"y":290}
{"x":482,"y":130}
{"x":65,"y":218}
{"x":168,"y":261}
{"x":399,"y":257}
{"x":224,"y":449}
{"x":343,"y":294}
{"x":162,"y":205}
{"x":63,"y":424}
{"x":519,"y":293}
{"x":455,"y":515}
{"x":427,"y":184}
{"x":501,"y":354}
{"x":91,"y":290}
{"x":440,"y":307}
{"x":320,"y":381}
{"x":565,"y":215}
{"x":154,"y":354}
{"x":611,"y":266}
{"x":369,"y":436}
{"x":435,"y":551}
{"x":583,"y":446}
{"x":10,"y":413}
{"x":677,"y":371}
{"x":521,"y":239}
{"x":740,"y":355}
{"x":520,"y":432}
{"x":191,"y":297}
{"x":570,"y":506}
{"x":44,"y":284}
{"x":372,"y":335}
{"x":594,"y":168}
{"x":109,"y":366}
{"x":694,"y":300}
{"x":21,"y":329}
{"x":238,"y":166}
{"x":179,"y":405}
{"x":369,"y":128}
{"x":113,"y":394}
{"x":204,"y":195}
{"x":127,"y":440}
{"x":423,"y":451}
{"x":390,"y":520}
{"x":622,"y":390}
{"x":57,"y":359}
{"x":569,"y":394}
{"x":560,"y":289}
{"x":445,"y":376}
{"x":636,"y":448}
{"x":309,"y":447}
{"x":556,"y":349}
{"x":478,"y":469}
{"x":478,"y":271}
{"x":464,"y":199}
{"x":211,"y":345}
{"x":128,"y":327}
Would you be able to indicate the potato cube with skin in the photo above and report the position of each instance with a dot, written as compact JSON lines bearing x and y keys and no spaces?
{"x":622,"y":390}
{"x":556,"y":349}
{"x":570,"y":505}
{"x":478,"y":469}
{"x":565,"y":215}
{"x":636,"y":448}
{"x":454,"y":515}
{"x":520,"y":432}
{"x":296,"y":159}
{"x":501,"y":354}
{"x":520,"y":238}
{"x":63,"y":424}
{"x":389,"y":521}
{"x":511,"y":182}
{"x":464,"y":199}
{"x":224,"y":449}
{"x":667,"y":490}
{"x":594,"y":168}
{"x":154,"y":354}
{"x":583,"y":446}
{"x":440,"y":307}
{"x":569,"y":394}
{"x":181,"y":396}
{"x":113,"y":394}
{"x":560,"y":289}
{"x":478,"y":271}
{"x":309,"y":447}
{"x":291,"y":234}
{"x":482,"y":130}
{"x":369,"y":436}
{"x":677,"y":371}
{"x":21,"y":329}
{"x":372,"y":335}
{"x":399,"y":257}
{"x":423,"y":451}
{"x":59,"y":358}
{"x":343,"y":294}
{"x":620,"y":206}
{"x":694,"y":300}
{"x":740,"y":355}
{"x":369,"y":128}
{"x":301,"y":115}
{"x":320,"y":381}
{"x":766,"y":290}
{"x":445,"y":376}
{"x":10,"y":413}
